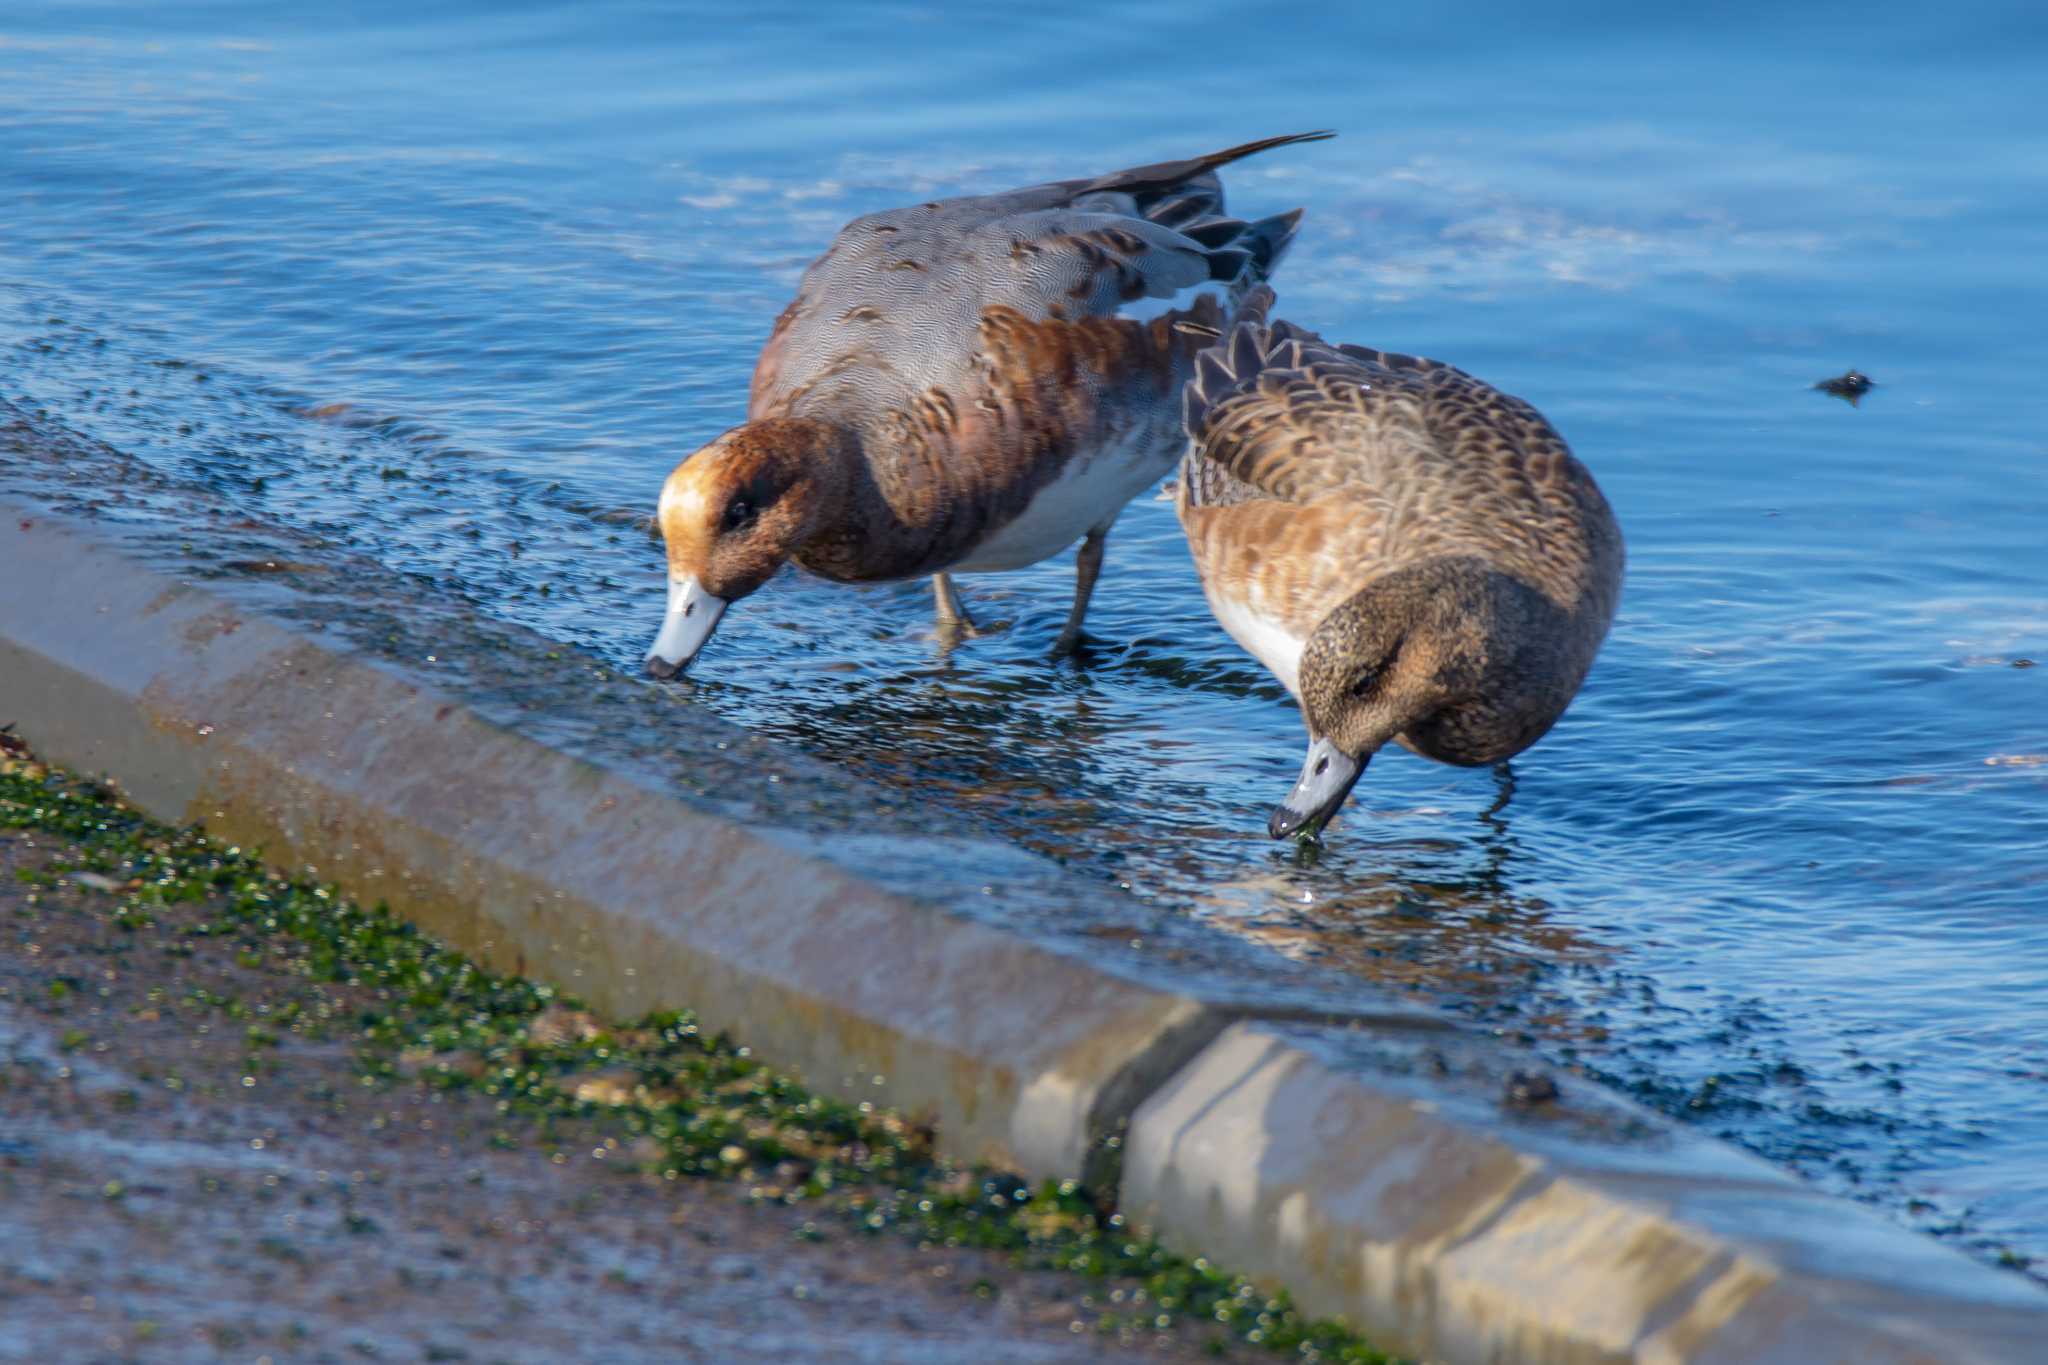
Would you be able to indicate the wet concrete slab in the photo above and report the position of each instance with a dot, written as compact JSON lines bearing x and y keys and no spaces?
{"x":1475,"y":1207}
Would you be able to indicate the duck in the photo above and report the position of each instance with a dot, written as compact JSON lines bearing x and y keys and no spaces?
{"x":1416,"y":556}
{"x":960,"y":387}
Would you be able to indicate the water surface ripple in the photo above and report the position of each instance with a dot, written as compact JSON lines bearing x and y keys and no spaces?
{"x":454,"y":285}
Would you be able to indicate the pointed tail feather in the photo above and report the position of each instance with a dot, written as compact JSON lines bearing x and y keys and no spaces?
{"x":1266,"y":241}
{"x":1269,"y":238}
{"x":1238,"y":353}
{"x":1165,"y":175}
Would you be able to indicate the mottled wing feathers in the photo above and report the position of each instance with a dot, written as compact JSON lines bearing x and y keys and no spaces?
{"x":1421,"y":458}
{"x":892,"y":308}
{"x":1283,"y":410}
{"x":878,"y":323}
{"x":1063,"y":264}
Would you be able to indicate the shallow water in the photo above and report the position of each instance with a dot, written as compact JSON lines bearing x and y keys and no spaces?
{"x":455,"y":285}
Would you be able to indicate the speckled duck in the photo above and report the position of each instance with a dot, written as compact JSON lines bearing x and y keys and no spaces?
{"x":1417,"y":556}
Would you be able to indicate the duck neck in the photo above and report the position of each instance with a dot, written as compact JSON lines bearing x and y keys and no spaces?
{"x":851,"y":532}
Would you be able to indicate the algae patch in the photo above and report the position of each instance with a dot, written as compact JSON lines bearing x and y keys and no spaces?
{"x":656,"y":1097}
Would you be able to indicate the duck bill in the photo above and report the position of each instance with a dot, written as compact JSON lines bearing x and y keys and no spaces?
{"x":1326,"y":779}
{"x":692,"y":615}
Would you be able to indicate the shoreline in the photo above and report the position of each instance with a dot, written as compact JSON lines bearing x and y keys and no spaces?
{"x":1373,"y":1157}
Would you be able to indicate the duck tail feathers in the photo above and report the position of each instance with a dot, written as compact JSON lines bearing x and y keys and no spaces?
{"x":1165,"y":176}
{"x":1237,"y":355}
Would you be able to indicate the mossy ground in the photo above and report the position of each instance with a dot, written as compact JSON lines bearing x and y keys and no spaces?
{"x":657,"y":1099}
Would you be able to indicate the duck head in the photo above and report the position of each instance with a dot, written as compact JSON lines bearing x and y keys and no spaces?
{"x":1408,"y":657}
{"x":732,"y":514}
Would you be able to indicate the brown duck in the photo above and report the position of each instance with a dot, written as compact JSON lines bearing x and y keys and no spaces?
{"x":1417,"y":556}
{"x":952,"y":390}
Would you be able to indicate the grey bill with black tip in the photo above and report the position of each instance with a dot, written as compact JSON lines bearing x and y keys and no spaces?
{"x":1326,"y":779}
{"x":692,"y":615}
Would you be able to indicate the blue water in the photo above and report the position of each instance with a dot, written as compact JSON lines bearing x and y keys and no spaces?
{"x":456,"y":284}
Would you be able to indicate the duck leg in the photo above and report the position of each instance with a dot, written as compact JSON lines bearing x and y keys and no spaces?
{"x":953,"y":617}
{"x":1087,"y":565}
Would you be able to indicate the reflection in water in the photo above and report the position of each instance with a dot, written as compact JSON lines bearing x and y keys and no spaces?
{"x":1504,"y":786}
{"x":1435,"y":916}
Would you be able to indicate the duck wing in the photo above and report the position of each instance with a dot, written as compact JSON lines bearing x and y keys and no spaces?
{"x":895,"y":307}
{"x":1321,"y":466}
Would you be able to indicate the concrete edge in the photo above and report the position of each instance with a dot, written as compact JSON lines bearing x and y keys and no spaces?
{"x":1253,"y":1140}
{"x":538,"y":861}
{"x":1399,"y":1182}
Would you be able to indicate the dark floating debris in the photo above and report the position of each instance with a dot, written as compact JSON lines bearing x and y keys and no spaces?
{"x":1527,"y":1088}
{"x":1849,"y":387}
{"x":271,"y":566}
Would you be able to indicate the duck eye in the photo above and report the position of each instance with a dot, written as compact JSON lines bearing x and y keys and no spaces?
{"x":738,"y":513}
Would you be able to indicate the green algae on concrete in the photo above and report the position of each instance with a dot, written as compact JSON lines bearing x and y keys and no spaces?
{"x":681,"y":1103}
